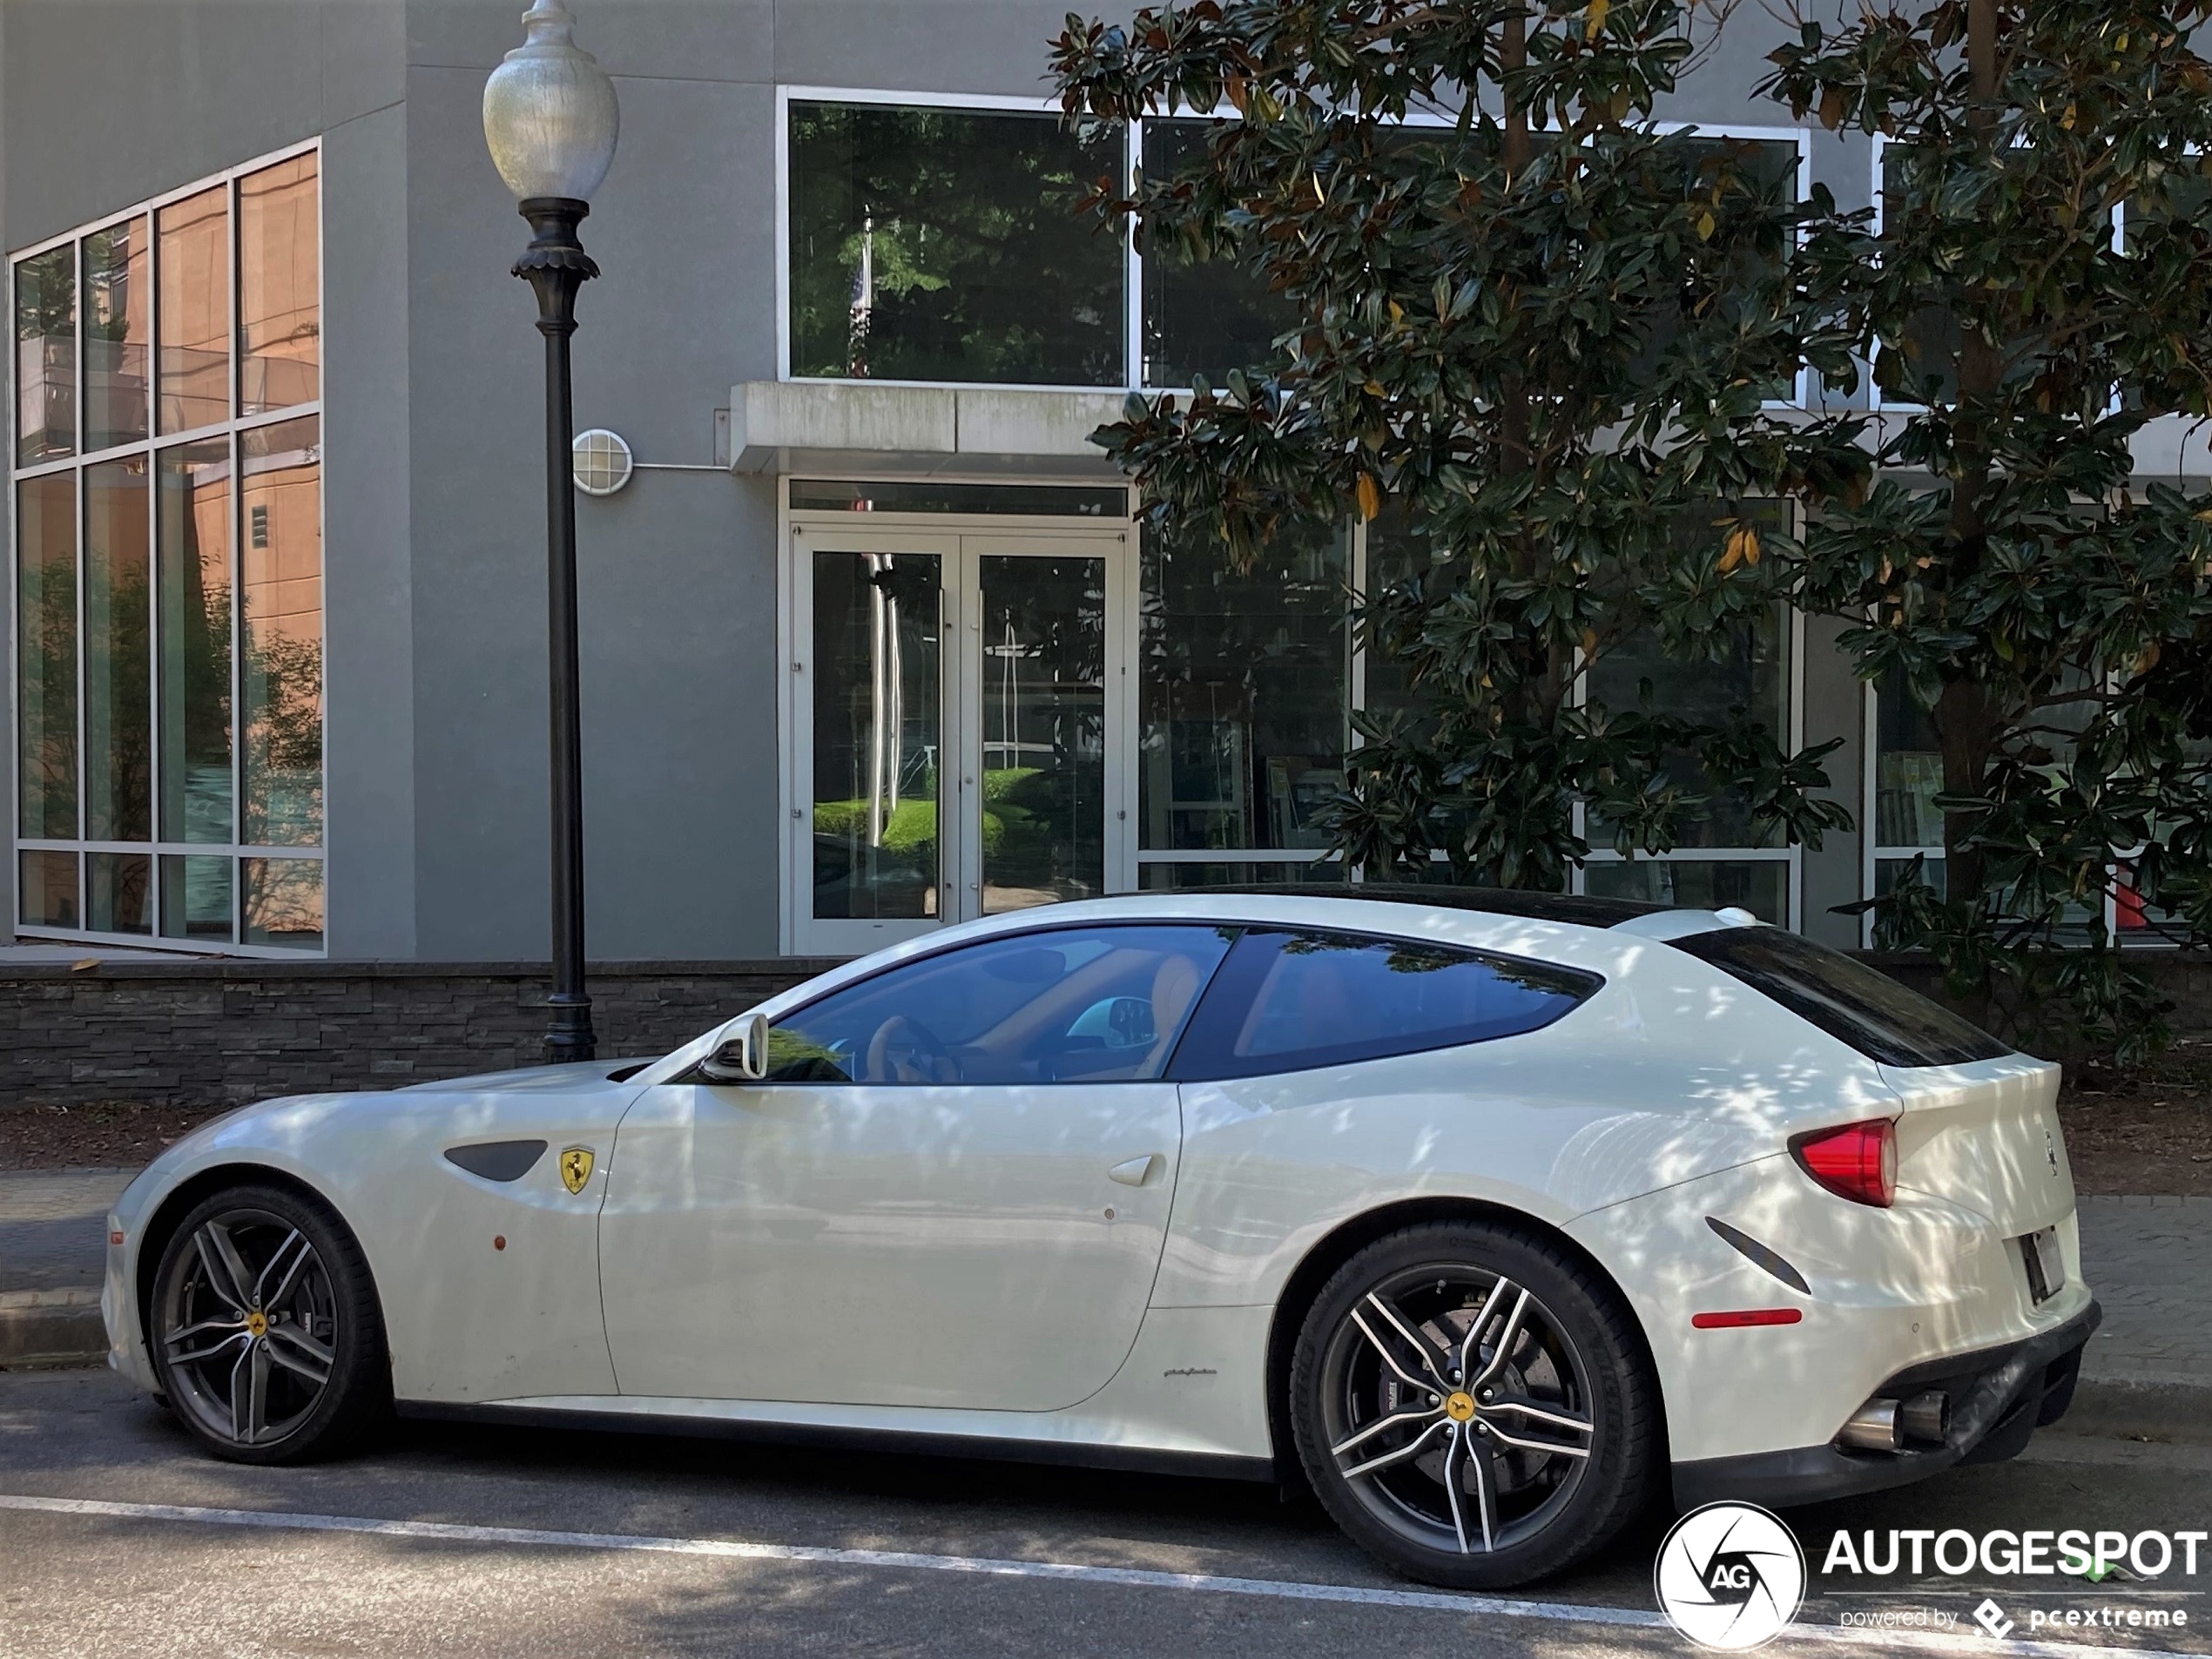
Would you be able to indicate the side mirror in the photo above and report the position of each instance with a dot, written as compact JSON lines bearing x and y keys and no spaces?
{"x":741,"y":1059}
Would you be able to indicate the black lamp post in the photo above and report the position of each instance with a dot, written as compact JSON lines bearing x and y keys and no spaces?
{"x":551,"y":121}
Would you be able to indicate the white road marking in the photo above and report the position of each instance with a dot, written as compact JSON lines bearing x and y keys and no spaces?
{"x":1495,"y":1607}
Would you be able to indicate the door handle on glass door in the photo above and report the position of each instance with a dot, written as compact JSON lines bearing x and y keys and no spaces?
{"x":1136,"y":1172}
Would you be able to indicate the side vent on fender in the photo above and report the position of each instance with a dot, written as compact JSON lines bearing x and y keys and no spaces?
{"x":497,"y":1160}
{"x":1759,"y":1256}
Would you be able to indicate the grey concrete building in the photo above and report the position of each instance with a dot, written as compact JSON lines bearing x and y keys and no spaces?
{"x":869,"y":641}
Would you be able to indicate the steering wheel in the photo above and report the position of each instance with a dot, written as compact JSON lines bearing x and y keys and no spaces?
{"x":905,"y":1050}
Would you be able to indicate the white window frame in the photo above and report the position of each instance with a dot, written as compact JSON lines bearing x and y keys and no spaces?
{"x":149,"y":447}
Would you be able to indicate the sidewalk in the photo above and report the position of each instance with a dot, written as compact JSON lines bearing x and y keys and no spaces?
{"x":2147,"y":1373}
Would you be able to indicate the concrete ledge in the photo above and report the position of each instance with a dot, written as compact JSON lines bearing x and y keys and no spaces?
{"x":843,"y":426}
{"x":52,"y":1328}
{"x":2148,"y":1406}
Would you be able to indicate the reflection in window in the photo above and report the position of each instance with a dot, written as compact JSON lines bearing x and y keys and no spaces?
{"x":195,"y":321}
{"x":1062,"y":1005}
{"x":1760,"y":886}
{"x":1203,"y":315}
{"x":1178,"y":876}
{"x":196,"y":898}
{"x":118,"y":693}
{"x":281,"y":902}
{"x":278,"y":288}
{"x":878,"y":739}
{"x":46,"y":656}
{"x":193,"y":545}
{"x":118,"y":334}
{"x":1246,"y":693}
{"x":1908,"y":769}
{"x":280,"y":677}
{"x":1044,"y":729}
{"x":118,"y":893}
{"x":948,"y":244}
{"x":46,"y":889}
{"x":46,"y":355}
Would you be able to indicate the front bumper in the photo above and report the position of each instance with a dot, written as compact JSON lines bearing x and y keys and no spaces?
{"x":2000,"y":1397}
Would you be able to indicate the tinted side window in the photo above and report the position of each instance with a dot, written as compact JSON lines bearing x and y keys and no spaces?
{"x":1287,"y":1002}
{"x":1844,"y":997}
{"x":1060,"y":1005}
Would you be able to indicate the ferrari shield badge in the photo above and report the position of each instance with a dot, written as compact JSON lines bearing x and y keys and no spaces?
{"x":576,"y":1168}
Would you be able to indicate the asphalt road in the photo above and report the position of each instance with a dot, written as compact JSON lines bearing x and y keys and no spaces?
{"x":112,"y":1579}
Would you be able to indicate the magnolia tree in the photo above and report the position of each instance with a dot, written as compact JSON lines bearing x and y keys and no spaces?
{"x":1558,"y":340}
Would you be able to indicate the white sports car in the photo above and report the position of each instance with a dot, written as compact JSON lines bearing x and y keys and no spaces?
{"x":1500,"y":1216}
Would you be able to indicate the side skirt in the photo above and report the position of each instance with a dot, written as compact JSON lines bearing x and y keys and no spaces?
{"x":910,"y":1443}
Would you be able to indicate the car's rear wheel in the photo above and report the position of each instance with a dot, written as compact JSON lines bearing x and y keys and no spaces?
{"x":266,"y":1332}
{"x":1473,"y":1406}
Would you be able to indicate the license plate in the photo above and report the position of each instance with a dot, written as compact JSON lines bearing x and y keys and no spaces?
{"x":2046,"y":1267}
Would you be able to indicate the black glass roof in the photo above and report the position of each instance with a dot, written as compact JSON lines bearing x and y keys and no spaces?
{"x":1582,"y":908}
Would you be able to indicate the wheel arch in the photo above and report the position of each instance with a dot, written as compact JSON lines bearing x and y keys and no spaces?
{"x":1354,"y":1234}
{"x":178,"y":1202}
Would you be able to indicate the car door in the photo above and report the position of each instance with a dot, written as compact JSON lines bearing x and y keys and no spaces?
{"x":952,"y":1190}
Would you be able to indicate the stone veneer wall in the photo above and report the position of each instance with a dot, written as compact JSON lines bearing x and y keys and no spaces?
{"x":201,"y":1033}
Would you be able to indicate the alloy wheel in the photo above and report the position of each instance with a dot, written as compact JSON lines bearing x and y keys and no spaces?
{"x":247,"y":1326}
{"x":1457,"y":1408}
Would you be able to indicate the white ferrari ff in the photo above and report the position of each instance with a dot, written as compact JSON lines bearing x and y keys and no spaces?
{"x":1497,"y":1217}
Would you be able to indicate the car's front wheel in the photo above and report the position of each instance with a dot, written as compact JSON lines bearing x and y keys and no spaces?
{"x":1473,"y":1406}
{"x":265,"y":1328}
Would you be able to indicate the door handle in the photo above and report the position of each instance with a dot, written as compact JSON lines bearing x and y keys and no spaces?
{"x":1136,"y":1172}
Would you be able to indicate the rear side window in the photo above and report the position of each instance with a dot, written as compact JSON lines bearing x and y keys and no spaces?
{"x":1844,"y":997}
{"x":1288,"y":1001}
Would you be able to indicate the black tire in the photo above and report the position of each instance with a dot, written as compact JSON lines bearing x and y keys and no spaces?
{"x":1576,"y":1374}
{"x":260,"y":1290}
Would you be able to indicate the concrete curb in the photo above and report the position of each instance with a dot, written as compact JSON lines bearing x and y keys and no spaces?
{"x":2142,"y":1405}
{"x":39,"y":1328}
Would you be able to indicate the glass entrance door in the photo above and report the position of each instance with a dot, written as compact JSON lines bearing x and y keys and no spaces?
{"x":960,"y":708}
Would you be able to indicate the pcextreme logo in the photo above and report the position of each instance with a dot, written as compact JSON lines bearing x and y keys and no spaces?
{"x":1729,"y":1576}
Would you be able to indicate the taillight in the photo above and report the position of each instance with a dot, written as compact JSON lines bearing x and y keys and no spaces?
{"x":1858,"y":1162}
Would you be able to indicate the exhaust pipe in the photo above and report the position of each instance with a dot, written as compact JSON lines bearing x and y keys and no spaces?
{"x":1925,"y":1417}
{"x":1873,"y":1428}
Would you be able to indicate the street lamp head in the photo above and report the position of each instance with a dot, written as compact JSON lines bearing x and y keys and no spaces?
{"x":550,"y":113}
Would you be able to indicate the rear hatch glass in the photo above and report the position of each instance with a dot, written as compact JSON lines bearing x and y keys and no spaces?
{"x":1844,"y":997}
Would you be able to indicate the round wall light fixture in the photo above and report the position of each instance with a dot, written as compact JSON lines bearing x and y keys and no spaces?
{"x":600,"y":462}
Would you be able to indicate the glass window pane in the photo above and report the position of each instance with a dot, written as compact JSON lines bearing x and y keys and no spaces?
{"x":46,"y":655}
{"x":1245,"y":691}
{"x":196,"y":897}
{"x":46,"y":889}
{"x":1400,"y":554}
{"x":890,"y":496}
{"x":195,"y":317}
{"x":948,"y":244}
{"x":283,"y":902}
{"x":119,"y":704}
{"x":280,"y":286}
{"x":118,"y":895}
{"x":118,"y":334}
{"x":1044,"y":732}
{"x":877,"y":736}
{"x":1889,"y":871}
{"x":1287,"y":1002}
{"x":194,"y":552}
{"x":1202,"y":315}
{"x":1059,"y":1005}
{"x":1844,"y":997}
{"x":1908,"y":768}
{"x":1760,"y":886}
{"x":279,"y":681}
{"x":1179,"y":877}
{"x":46,"y":355}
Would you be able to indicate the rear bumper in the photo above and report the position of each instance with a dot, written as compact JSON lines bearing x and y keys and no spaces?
{"x":2000,"y":1397}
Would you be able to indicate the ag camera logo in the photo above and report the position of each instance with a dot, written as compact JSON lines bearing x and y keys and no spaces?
{"x":1729,"y":1576}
